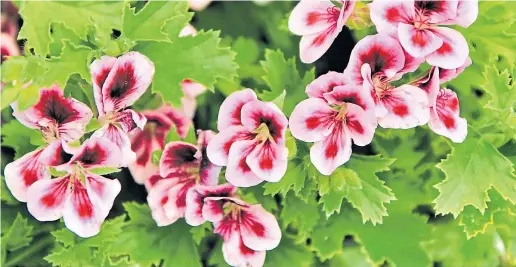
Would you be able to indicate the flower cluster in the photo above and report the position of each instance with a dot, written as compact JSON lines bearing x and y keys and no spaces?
{"x":348,"y":106}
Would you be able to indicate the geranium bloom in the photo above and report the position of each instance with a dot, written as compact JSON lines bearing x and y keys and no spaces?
{"x":416,"y":24}
{"x":337,"y":112}
{"x":117,"y":84}
{"x":251,"y":140}
{"x":248,"y":231}
{"x":181,"y":167}
{"x":444,"y":107}
{"x":376,"y":61}
{"x":152,"y":137}
{"x":81,"y":197}
{"x":60,"y":120}
{"x":319,"y":22}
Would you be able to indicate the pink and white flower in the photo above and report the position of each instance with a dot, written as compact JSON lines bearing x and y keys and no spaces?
{"x":337,"y":112}
{"x":416,"y":25}
{"x":445,"y":117}
{"x":60,"y":120}
{"x":182,"y":166}
{"x":117,"y":84}
{"x":81,"y":197}
{"x":378,"y":60}
{"x":199,"y":211}
{"x":152,"y":138}
{"x":251,"y":140}
{"x":319,"y":23}
{"x":248,"y":231}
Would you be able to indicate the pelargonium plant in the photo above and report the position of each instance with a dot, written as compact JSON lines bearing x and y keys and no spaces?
{"x":261,"y":133}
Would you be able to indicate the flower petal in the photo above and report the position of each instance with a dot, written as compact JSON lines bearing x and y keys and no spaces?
{"x":430,"y":84}
{"x":192,"y":89}
{"x":120,"y":140}
{"x":129,"y":119}
{"x":256,"y":113}
{"x":452,"y":53}
{"x":81,"y":214}
{"x":387,"y":14}
{"x":259,"y":228}
{"x":313,"y":46}
{"x":219,"y":147}
{"x":46,"y":198}
{"x":238,"y":173}
{"x":236,"y":253}
{"x":127,"y":81}
{"x":333,"y":151}
{"x":55,"y":154}
{"x":311,"y":120}
{"x":437,"y":11}
{"x":325,"y":83}
{"x":198,"y":5}
{"x":188,"y":30}
{"x":96,"y":152}
{"x":158,"y":197}
{"x":360,"y":125}
{"x":418,"y":43}
{"x":208,"y":172}
{"x":178,"y":157}
{"x":445,"y":119}
{"x":229,"y":112}
{"x":102,"y":191}
{"x":200,"y":207}
{"x":446,"y":75}
{"x":467,"y":13}
{"x":180,"y":121}
{"x":176,"y":206}
{"x":268,"y":161}
{"x":100,"y":69}
{"x":9,"y":46}
{"x":407,"y":107}
{"x":350,"y":94}
{"x":310,"y":17}
{"x":23,"y":172}
{"x":383,"y":53}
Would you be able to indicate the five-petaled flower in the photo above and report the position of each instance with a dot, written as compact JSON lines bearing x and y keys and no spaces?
{"x":337,"y":112}
{"x":248,"y":231}
{"x":60,"y":120}
{"x":181,"y":167}
{"x":416,"y":24}
{"x":117,"y":84}
{"x":81,"y":197}
{"x":319,"y":22}
{"x":378,"y":60}
{"x":251,"y":140}
{"x":152,"y":137}
{"x":444,"y":104}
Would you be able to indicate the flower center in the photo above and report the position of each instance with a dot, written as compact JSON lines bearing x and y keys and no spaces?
{"x":50,"y":133}
{"x":421,"y":21}
{"x":333,"y":14}
{"x":107,"y":118}
{"x":342,"y":112}
{"x":232,"y":209}
{"x":262,"y":133}
{"x":381,"y":85}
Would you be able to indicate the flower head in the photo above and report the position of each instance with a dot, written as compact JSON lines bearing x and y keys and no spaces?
{"x":319,"y":22}
{"x":251,"y":140}
{"x":181,"y":167}
{"x":81,"y":197}
{"x":337,"y":112}
{"x":117,"y":84}
{"x":59,"y":120}
{"x":416,"y":24}
{"x":375,"y":62}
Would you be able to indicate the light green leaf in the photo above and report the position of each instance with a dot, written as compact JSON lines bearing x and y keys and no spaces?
{"x":294,"y":179}
{"x":471,"y":169}
{"x":9,"y":94}
{"x":18,"y":236}
{"x":17,"y":136}
{"x":201,"y":231}
{"x":191,"y":136}
{"x":93,"y":125}
{"x":156,"y":156}
{"x":72,"y":60}
{"x":104,"y":170}
{"x":289,"y":254}
{"x":28,"y":97}
{"x":302,"y":215}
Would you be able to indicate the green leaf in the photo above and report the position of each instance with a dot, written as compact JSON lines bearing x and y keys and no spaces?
{"x":72,"y":60}
{"x":290,"y":143}
{"x":56,"y":173}
{"x":302,"y":215}
{"x":147,"y":24}
{"x":156,"y":156}
{"x":288,"y":254}
{"x":282,"y":76}
{"x":190,"y":136}
{"x":17,"y":136}
{"x":294,"y":179}
{"x":28,"y":97}
{"x":18,"y":236}
{"x":471,"y":169}
{"x":201,"y":58}
{"x":93,"y":125}
{"x":352,"y":257}
{"x":336,"y":187}
{"x":104,"y":170}
{"x":146,"y":243}
{"x":77,"y":16}
{"x":6,"y":195}
{"x":172,"y":136}
{"x":9,"y":94}
{"x":201,"y":231}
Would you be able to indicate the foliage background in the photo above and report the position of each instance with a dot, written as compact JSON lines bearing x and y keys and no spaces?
{"x":410,"y":199}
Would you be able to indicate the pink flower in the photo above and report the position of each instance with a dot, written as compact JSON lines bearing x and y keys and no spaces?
{"x":117,"y":84}
{"x":81,"y":197}
{"x":337,"y":112}
{"x":376,"y":61}
{"x":251,"y":140}
{"x":9,"y":46}
{"x":60,"y":120}
{"x":416,"y":24}
{"x":199,"y":211}
{"x":444,"y":106}
{"x":182,"y":166}
{"x":319,"y":22}
{"x":152,"y":137}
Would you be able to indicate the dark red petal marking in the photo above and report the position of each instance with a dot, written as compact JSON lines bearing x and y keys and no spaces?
{"x":332,"y":148}
{"x":419,"y":39}
{"x":164,"y":200}
{"x":96,"y":185}
{"x":400,"y":110}
{"x":53,"y":105}
{"x":100,"y":79}
{"x":93,"y":155}
{"x":266,"y":161}
{"x":313,"y":122}
{"x":81,"y":200}
{"x":453,"y":104}
{"x":249,"y":221}
{"x":377,"y":57}
{"x":181,"y":195}
{"x":30,"y":169}
{"x":354,"y":124}
{"x":448,"y":121}
{"x":56,"y":193}
{"x":445,"y":49}
{"x":123,"y":82}
{"x":312,"y":18}
{"x":393,"y":15}
{"x":244,"y":249}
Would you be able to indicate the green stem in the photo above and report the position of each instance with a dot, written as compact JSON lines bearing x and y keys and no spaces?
{"x":33,"y":248}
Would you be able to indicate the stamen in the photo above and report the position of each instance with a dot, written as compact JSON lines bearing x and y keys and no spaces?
{"x":263,"y":133}
{"x":342,"y":112}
